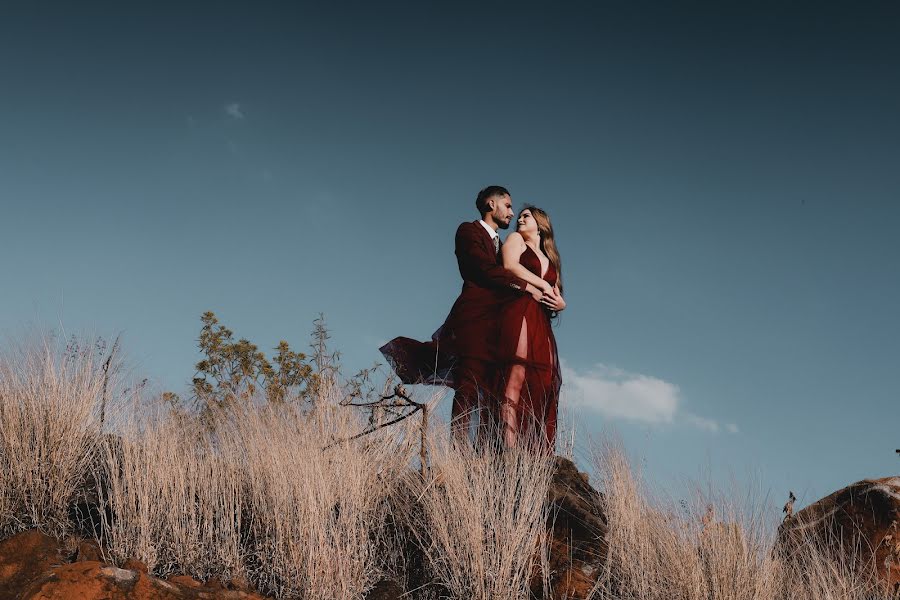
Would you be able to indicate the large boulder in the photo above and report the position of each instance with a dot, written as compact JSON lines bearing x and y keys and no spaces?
{"x":862,"y":521}
{"x":578,"y":529}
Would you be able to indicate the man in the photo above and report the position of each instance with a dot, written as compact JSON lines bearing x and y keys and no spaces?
{"x":471,"y":328}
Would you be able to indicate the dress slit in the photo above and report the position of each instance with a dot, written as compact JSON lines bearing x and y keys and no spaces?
{"x":510,"y":409}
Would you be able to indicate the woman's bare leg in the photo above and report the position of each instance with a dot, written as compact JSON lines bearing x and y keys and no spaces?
{"x":509,"y":412}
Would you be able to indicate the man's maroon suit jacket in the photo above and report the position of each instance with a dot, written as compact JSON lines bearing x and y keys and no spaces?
{"x":471,"y":327}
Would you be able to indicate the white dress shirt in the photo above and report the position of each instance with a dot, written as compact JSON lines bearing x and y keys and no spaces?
{"x":489,"y":229}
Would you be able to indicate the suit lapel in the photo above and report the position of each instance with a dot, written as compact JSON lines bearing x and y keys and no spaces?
{"x":485,"y":236}
{"x":487,"y":241}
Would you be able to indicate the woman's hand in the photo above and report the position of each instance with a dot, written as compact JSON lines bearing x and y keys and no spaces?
{"x":553,"y":300}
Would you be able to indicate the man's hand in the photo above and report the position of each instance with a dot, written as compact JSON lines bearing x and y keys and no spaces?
{"x":553,"y":301}
{"x":539,"y":293}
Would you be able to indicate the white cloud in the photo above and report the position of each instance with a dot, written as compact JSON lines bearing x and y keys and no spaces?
{"x":234,"y":111}
{"x":618,"y":394}
{"x":702,"y":423}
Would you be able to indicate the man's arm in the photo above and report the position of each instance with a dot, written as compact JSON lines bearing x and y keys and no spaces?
{"x":479,"y":261}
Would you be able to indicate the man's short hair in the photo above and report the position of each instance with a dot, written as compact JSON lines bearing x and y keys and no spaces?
{"x":487,"y":193}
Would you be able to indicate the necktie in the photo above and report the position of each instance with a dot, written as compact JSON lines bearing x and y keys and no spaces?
{"x":497,"y":244}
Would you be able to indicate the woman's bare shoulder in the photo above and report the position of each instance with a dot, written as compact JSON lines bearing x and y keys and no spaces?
{"x":514,"y":238}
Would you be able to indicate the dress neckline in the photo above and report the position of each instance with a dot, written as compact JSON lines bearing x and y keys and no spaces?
{"x":545,"y":271}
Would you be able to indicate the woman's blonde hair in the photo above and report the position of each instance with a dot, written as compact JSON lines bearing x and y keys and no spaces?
{"x":548,"y":241}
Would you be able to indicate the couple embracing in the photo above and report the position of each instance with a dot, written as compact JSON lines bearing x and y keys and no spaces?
{"x":496,"y":347}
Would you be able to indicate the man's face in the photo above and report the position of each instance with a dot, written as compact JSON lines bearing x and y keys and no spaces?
{"x":503,"y":212}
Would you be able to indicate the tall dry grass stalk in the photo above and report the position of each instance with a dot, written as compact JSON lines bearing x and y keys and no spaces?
{"x":49,"y":400}
{"x":818,"y":570}
{"x":318,"y":515}
{"x":173,"y":499}
{"x":482,"y":518}
{"x":258,"y":498}
{"x":710,"y":548}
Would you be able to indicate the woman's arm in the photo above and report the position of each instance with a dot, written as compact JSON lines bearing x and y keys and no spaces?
{"x":512,"y":250}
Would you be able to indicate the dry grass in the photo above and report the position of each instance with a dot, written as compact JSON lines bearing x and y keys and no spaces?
{"x":711,"y":549}
{"x":172,"y":499}
{"x":482,"y":518}
{"x":319,"y":515}
{"x":261,"y":498}
{"x":49,"y":406}
{"x":269,"y":498}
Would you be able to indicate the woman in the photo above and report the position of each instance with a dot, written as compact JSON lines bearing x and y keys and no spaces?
{"x":527,"y":361}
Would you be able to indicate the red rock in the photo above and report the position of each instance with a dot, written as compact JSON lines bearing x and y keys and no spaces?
{"x":91,"y":580}
{"x":240,"y":583}
{"x":573,"y":583}
{"x":135,"y":565}
{"x":214,"y":584}
{"x":87,"y":580}
{"x":88,"y":550}
{"x":185,"y":581}
{"x":24,"y":557}
{"x":32,"y":567}
{"x":577,"y":545}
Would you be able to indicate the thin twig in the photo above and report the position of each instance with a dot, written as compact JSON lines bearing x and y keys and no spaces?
{"x":402,"y":406}
{"x":105,"y":368}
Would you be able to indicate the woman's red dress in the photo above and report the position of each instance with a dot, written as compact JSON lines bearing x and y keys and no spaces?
{"x":528,"y":370}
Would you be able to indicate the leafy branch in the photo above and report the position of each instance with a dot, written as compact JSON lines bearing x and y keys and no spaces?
{"x":235,"y":371}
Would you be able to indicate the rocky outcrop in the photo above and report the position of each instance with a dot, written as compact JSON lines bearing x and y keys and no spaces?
{"x":33,"y":566}
{"x":24,"y":558}
{"x":91,"y":579}
{"x":578,"y":531}
{"x":862,"y":521}
{"x":577,"y":528}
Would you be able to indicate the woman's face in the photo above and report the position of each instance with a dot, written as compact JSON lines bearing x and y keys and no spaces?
{"x":526,"y":223}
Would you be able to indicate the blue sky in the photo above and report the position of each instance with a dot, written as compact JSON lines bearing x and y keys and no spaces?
{"x":722,"y":180}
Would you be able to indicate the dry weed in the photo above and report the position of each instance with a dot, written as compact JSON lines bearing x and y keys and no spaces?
{"x":710,"y":548}
{"x":172,"y":499}
{"x":49,"y":426}
{"x":319,"y":515}
{"x":483,"y":515}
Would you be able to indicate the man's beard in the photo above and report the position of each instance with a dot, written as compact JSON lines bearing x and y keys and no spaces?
{"x":503,"y":225}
